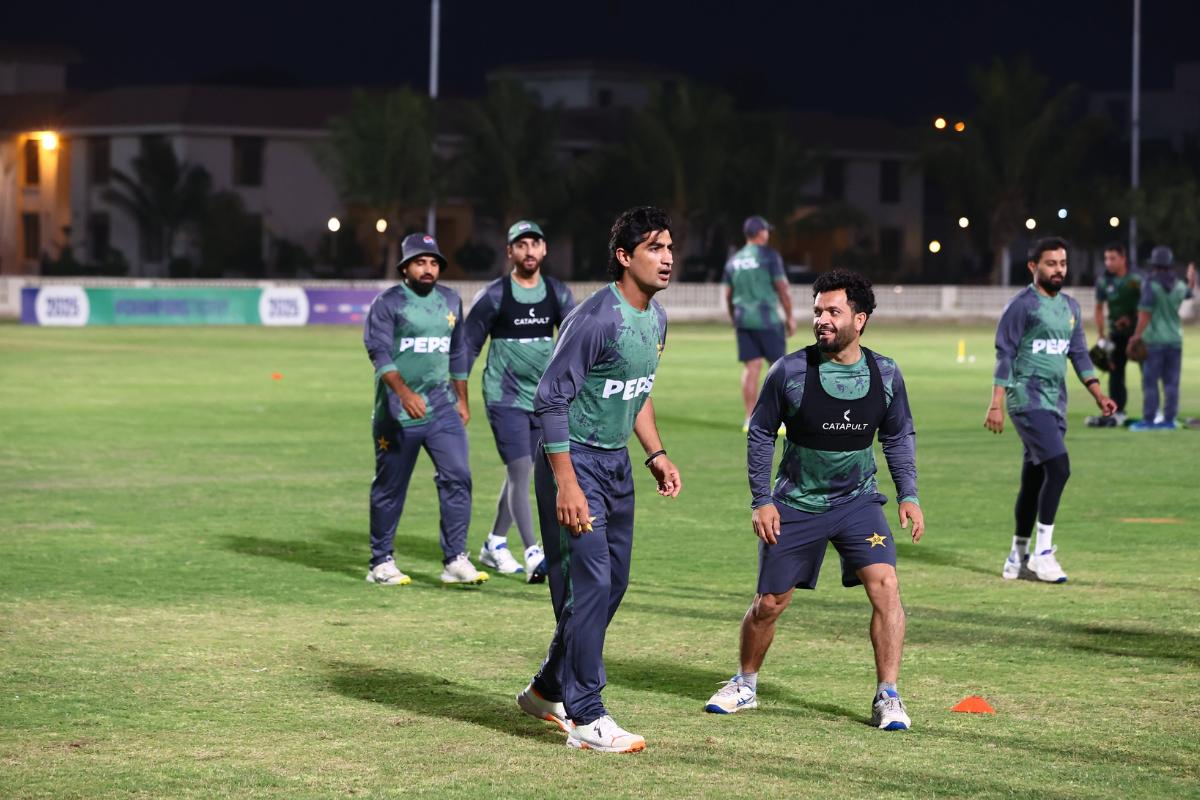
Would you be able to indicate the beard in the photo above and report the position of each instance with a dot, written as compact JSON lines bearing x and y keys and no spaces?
{"x":842,"y":338}
{"x":1052,"y":285}
{"x":420,"y":288}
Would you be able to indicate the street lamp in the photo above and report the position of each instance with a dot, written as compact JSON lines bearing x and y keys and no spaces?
{"x":1031,"y":223}
{"x":1062,"y":213}
{"x":963,"y":222}
{"x":381,"y":225}
{"x":49,"y":140}
{"x":1114,"y":222}
{"x":935,"y":246}
{"x":959,"y":127}
{"x":940,"y":123}
{"x":335,"y":224}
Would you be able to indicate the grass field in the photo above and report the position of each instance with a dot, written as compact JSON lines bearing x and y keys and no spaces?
{"x":183,"y":611}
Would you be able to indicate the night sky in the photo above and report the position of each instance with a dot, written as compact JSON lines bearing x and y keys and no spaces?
{"x":900,"y":60}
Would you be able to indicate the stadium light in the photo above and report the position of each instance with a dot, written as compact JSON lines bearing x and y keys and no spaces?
{"x":1031,"y":223}
{"x":1114,"y":222}
{"x":935,"y":246}
{"x":1062,"y":213}
{"x":959,"y":127}
{"x":940,"y":123}
{"x":334,"y":224}
{"x":381,"y":224}
{"x":963,"y":222}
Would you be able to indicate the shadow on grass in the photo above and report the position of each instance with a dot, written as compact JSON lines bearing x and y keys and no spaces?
{"x":693,"y":683}
{"x":945,"y":558}
{"x":337,"y":550}
{"x":436,"y":696}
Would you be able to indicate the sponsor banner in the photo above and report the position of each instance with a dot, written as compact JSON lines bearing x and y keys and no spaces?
{"x":55,"y":305}
{"x":283,"y":306}
{"x":339,"y":306}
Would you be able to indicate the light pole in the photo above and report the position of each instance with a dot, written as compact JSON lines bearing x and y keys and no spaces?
{"x":435,"y":23}
{"x":1135,"y":124}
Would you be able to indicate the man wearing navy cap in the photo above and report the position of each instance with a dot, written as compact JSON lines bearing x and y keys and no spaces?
{"x":519,"y":312}
{"x":415,"y":341}
{"x":1159,"y":327}
{"x":755,"y":287}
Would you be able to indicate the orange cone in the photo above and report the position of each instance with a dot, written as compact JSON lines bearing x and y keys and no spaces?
{"x":276,"y":376}
{"x":974,"y":705}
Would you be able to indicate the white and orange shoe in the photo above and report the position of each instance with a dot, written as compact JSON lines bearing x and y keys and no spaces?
{"x":604,"y":735}
{"x":532,"y":703}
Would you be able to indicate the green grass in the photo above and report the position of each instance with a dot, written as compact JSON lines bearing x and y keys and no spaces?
{"x":183,"y":612}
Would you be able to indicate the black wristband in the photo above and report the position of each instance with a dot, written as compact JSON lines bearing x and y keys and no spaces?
{"x":1090,"y":381}
{"x":655,"y":455}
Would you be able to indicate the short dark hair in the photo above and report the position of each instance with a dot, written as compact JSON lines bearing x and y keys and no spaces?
{"x":632,"y":228}
{"x":1044,"y":244}
{"x":858,"y":289}
{"x":1116,"y":247}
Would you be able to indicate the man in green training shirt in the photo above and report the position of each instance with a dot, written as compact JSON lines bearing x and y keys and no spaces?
{"x":1160,"y":328}
{"x":1117,"y":291}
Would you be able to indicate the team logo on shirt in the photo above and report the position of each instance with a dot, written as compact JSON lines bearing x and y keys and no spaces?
{"x":425,"y":344}
{"x":532,"y":319}
{"x":451,"y":319}
{"x":634,"y":387}
{"x":744,"y":262}
{"x":1053,"y":347}
{"x":876,"y":540}
{"x":844,"y":426}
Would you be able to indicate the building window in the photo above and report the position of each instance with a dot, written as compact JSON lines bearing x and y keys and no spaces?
{"x":33,"y":164}
{"x":99,"y":235}
{"x":833,"y":179}
{"x":32,"y":228}
{"x":891,"y":245}
{"x":248,"y":160}
{"x":889,"y":181}
{"x":99,"y":160}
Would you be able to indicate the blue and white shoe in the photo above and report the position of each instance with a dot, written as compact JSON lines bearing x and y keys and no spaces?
{"x":535,"y":564}
{"x":1045,"y":567}
{"x":888,"y":714}
{"x":733,"y":696}
{"x":495,"y":554}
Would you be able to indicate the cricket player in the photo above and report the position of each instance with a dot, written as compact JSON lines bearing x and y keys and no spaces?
{"x":519,"y":311}
{"x":596,"y":391}
{"x":1159,"y":326}
{"x":1117,"y":292}
{"x":415,"y":341}
{"x":755,"y":287}
{"x":1039,"y":330}
{"x":834,"y":396}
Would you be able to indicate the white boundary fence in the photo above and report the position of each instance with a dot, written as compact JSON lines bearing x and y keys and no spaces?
{"x":683,"y":301}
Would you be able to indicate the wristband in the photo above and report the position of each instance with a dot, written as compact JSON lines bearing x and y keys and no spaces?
{"x":655,"y":455}
{"x":1090,"y":381}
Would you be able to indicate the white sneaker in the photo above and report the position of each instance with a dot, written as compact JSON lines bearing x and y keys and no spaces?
{"x":461,"y":570}
{"x":1044,"y":567}
{"x":1015,"y":567}
{"x":533,"y":704}
{"x":732,"y":697}
{"x":535,"y":564}
{"x":606,"y":736}
{"x":387,"y":574}
{"x":888,"y":714}
{"x":495,"y":554}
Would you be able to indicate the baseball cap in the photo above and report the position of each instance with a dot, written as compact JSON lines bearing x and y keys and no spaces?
{"x":755,"y":225}
{"x":1161,"y":256}
{"x":524,"y":228}
{"x":420,"y":244}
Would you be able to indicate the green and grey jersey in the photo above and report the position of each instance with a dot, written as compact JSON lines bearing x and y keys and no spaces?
{"x":601,"y":372}
{"x":818,"y":480}
{"x":1121,"y":293}
{"x":421,"y":338}
{"x":520,"y":323}
{"x":1162,"y":294}
{"x":752,"y":273}
{"x":1036,"y":336}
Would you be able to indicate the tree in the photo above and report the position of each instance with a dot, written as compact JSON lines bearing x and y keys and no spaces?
{"x":163,"y":195}
{"x":380,"y":156}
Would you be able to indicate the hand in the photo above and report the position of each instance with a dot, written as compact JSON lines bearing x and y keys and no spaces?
{"x":1107,"y":405}
{"x":464,"y":412}
{"x":912,"y":511}
{"x":791,"y":326}
{"x":765,"y":519}
{"x":413,"y":403}
{"x":572,"y":509}
{"x":994,"y":421}
{"x":667,"y":475}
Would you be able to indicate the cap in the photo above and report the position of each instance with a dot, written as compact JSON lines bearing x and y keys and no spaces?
{"x":755,"y":225}
{"x":1161,"y":256}
{"x":524,"y":228}
{"x":420,"y":244}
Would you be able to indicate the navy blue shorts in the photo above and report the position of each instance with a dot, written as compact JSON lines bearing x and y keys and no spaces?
{"x":1043,"y":434}
{"x":857,"y":529}
{"x":516,"y":431}
{"x":768,"y":343}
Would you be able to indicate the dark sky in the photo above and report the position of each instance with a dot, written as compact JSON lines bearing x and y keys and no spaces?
{"x":901,"y":60}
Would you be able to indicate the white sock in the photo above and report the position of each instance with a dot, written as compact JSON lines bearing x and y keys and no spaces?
{"x":748,"y":678}
{"x":1044,"y":534}
{"x":1020,"y":546}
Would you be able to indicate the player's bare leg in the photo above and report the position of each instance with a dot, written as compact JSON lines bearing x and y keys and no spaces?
{"x":887,"y":639}
{"x":758,"y":628}
{"x":751,"y":370}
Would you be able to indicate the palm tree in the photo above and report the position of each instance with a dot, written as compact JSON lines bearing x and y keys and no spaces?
{"x":163,"y":195}
{"x":380,"y":156}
